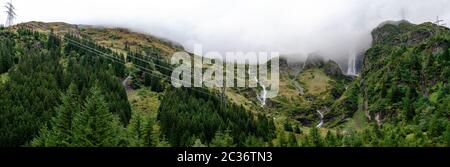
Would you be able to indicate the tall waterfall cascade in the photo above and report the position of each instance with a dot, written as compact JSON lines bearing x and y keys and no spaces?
{"x":262,"y":98}
{"x":351,"y":68}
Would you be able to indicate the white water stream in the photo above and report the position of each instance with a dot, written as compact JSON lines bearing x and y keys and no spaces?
{"x":321,"y":119}
{"x":351,"y":68}
{"x":263,"y":96}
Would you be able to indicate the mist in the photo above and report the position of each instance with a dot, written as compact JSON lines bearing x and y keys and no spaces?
{"x":290,"y":27}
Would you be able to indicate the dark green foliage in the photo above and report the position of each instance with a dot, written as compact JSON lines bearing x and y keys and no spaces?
{"x":411,"y":82}
{"x":222,"y":140}
{"x":330,"y":139}
{"x":292,"y":140}
{"x":396,"y":75}
{"x":30,"y":97}
{"x":405,"y":82}
{"x":41,"y":73}
{"x":86,"y":68}
{"x":288,"y":127}
{"x":61,"y":126}
{"x":87,"y":114}
{"x":6,"y":52}
{"x":90,"y":126}
{"x":447,"y":135}
{"x":95,"y":126}
{"x":140,"y":131}
{"x":152,"y":69}
{"x":87,"y":48}
{"x":339,"y":88}
{"x":185,"y":115}
{"x":316,"y":139}
{"x":297,"y":129}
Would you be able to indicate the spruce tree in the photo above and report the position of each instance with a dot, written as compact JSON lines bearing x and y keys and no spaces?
{"x":222,"y":140}
{"x":292,"y":140}
{"x":60,"y":132}
{"x":65,"y":113}
{"x":198,"y":143}
{"x":330,"y":139}
{"x":288,"y":127}
{"x":447,"y":135}
{"x":96,"y":126}
{"x":315,"y":137}
{"x":297,"y":130}
{"x":139,"y":130}
{"x":282,"y":139}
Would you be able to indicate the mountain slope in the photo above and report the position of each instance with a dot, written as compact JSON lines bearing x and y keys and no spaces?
{"x":117,"y":39}
{"x":410,"y":64}
{"x":95,"y":108}
{"x":401,"y":98}
{"x":405,"y":77}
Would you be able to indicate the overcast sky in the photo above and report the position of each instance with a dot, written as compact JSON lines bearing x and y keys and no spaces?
{"x":332,"y":27}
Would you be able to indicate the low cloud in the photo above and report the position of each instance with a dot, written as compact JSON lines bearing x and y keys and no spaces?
{"x":294,"y":27}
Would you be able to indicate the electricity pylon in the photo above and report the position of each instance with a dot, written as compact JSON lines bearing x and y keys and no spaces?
{"x":439,"y":22}
{"x":11,"y":14}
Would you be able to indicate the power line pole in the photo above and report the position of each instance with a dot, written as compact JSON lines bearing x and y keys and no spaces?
{"x":439,"y":22}
{"x":11,"y":14}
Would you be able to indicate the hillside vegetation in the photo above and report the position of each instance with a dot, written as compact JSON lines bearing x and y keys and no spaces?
{"x":79,"y":85}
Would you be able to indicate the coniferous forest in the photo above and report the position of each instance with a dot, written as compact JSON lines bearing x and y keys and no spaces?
{"x":68,"y":90}
{"x":58,"y":93}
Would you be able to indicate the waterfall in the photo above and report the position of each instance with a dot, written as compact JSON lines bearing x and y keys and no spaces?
{"x":351,"y":68}
{"x":321,"y":119}
{"x":262,"y":98}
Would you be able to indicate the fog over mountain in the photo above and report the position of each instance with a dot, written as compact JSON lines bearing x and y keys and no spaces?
{"x":293,"y":27}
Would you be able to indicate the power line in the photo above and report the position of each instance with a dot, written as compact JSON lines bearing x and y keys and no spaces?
{"x":148,"y":71}
{"x":161,"y":66}
{"x":113,"y":58}
{"x":140,"y":59}
{"x":144,"y":69}
{"x":97,"y":52}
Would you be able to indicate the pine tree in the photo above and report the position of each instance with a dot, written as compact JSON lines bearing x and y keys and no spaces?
{"x":6,"y":55}
{"x":330,"y":139}
{"x":315,"y":137}
{"x":198,"y":143}
{"x":222,"y":140}
{"x":162,"y":142}
{"x":96,"y":126}
{"x":447,"y":135}
{"x":148,"y":133}
{"x":140,"y":130}
{"x":3,"y":61}
{"x":297,"y":130}
{"x":305,"y":142}
{"x":282,"y":139}
{"x":253,"y":141}
{"x":45,"y":139}
{"x":60,"y":133}
{"x":66,"y":111}
{"x":292,"y":140}
{"x":288,"y":127}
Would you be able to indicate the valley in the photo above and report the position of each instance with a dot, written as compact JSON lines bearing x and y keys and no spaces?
{"x":57,"y":78}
